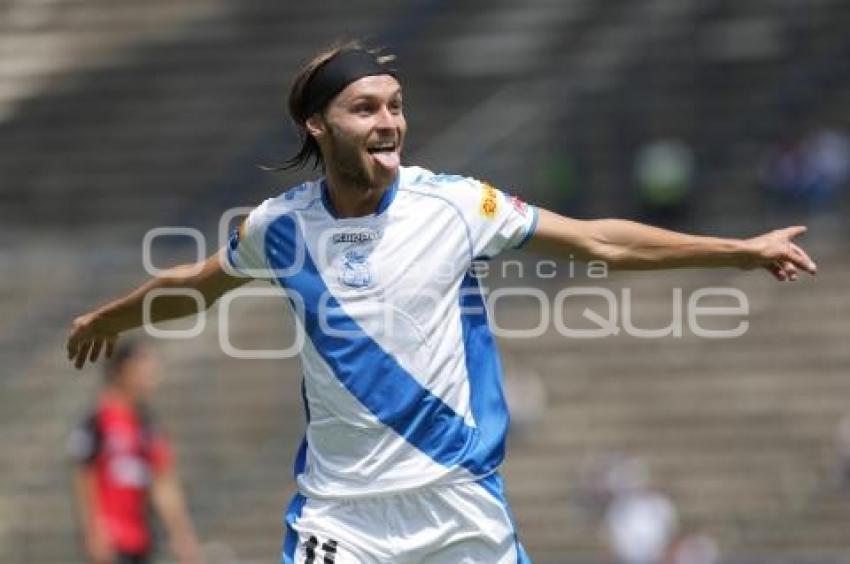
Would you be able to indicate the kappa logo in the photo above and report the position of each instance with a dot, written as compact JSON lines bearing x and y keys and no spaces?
{"x":355,"y":237}
{"x":489,"y":201}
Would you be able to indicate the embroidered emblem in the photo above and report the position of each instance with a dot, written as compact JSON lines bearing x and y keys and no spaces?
{"x":489,"y":201}
{"x":354,"y":271}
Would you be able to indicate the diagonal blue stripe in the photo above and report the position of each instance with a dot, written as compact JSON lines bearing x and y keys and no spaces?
{"x":373,"y":376}
{"x":489,"y":408}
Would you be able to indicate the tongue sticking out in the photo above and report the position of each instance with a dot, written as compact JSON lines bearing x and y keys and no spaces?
{"x":387,"y":159}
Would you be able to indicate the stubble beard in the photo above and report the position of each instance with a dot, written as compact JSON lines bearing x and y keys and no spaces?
{"x":348,"y":162}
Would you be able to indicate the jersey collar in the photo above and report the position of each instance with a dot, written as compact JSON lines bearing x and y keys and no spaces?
{"x":386,"y":198}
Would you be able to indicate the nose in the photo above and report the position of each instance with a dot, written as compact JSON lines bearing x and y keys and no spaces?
{"x":385,"y":118}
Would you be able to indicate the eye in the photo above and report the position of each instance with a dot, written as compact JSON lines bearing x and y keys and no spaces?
{"x":362,"y":109}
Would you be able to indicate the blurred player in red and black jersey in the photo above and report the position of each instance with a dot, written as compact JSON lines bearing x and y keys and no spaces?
{"x":124,"y":464}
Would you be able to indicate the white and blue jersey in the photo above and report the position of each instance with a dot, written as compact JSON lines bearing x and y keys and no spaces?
{"x":402,"y":379}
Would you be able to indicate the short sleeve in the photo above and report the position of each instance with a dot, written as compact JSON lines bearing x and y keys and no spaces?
{"x":496,"y":220}
{"x":84,"y":442}
{"x":245,"y":251}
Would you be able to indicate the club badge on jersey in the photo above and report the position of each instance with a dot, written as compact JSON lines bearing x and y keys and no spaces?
{"x":354,"y":270}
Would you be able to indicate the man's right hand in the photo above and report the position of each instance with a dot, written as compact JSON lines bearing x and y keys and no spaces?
{"x":87,"y":340}
{"x":97,"y":331}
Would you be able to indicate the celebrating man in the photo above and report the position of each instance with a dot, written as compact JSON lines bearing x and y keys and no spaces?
{"x":402,"y":379}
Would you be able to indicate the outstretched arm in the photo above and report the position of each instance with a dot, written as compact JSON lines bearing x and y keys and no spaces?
{"x":98,"y":329}
{"x":628,"y":245}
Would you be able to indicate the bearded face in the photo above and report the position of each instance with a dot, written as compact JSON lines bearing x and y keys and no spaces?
{"x":361,"y":133}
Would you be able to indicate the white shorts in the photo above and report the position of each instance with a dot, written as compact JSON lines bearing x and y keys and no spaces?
{"x":467,"y":523}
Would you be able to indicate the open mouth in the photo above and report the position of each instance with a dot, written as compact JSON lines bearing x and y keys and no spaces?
{"x":386,"y":155}
{"x":382,"y":149}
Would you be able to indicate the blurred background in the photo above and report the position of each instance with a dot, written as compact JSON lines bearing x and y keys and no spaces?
{"x":711,"y":116}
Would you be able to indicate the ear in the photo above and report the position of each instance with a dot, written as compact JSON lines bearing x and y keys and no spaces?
{"x":316,"y":126}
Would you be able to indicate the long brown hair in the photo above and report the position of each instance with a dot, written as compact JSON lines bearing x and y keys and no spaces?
{"x":309,"y":150}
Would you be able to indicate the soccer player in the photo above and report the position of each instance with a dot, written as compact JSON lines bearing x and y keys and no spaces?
{"x":402,"y":383}
{"x":123,"y":465}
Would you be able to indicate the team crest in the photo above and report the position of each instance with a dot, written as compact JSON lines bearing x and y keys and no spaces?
{"x":354,"y":271}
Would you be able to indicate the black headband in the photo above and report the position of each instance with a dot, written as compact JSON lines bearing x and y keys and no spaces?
{"x":336,"y":73}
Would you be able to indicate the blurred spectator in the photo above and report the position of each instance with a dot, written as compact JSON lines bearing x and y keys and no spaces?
{"x":602,"y":478}
{"x":664,"y":176}
{"x":827,"y":152}
{"x":809,"y":172}
{"x":783,"y":173}
{"x":124,"y":464}
{"x":641,"y":523}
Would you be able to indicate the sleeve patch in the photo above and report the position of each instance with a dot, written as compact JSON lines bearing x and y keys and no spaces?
{"x":489,"y":201}
{"x":519,"y":206}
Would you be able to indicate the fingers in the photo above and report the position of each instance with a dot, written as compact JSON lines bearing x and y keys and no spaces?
{"x":789,"y":270}
{"x":86,"y":343}
{"x":783,"y":270}
{"x":72,"y":347}
{"x":795,"y":231}
{"x":777,"y":268}
{"x":82,"y":354}
{"x":794,"y":253}
{"x":801,"y":259}
{"x":776,"y":271}
{"x":110,"y":346}
{"x":95,"y":350}
{"x":74,"y":338}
